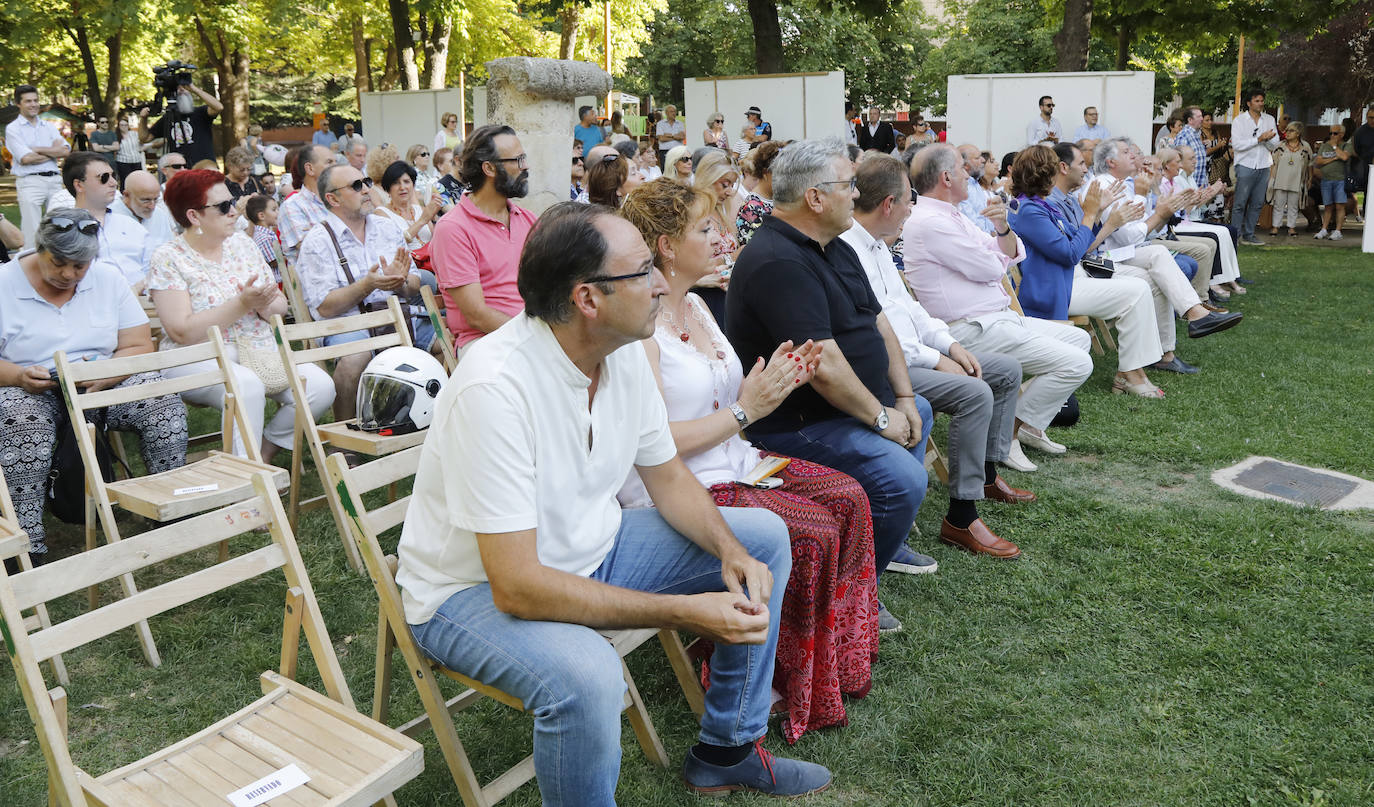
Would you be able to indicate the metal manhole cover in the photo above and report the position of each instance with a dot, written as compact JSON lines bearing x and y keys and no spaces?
{"x":1301,"y":485}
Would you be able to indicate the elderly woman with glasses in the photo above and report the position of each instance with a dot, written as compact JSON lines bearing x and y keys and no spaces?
{"x":212,"y":275}
{"x":53,"y":299}
{"x":426,"y":175}
{"x":678,"y":164}
{"x":829,"y":633}
{"x":714,"y":133}
{"x":448,"y":136}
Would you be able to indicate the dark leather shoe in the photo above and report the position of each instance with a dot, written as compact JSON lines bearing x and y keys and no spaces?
{"x":1214,"y":322}
{"x":1000,"y":491}
{"x":1175,"y":365}
{"x":978,"y":539}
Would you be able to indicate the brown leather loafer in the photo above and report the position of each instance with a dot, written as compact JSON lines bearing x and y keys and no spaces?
{"x":1000,"y":491}
{"x":978,"y":539}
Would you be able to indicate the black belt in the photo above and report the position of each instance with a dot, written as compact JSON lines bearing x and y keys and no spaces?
{"x":43,"y":174}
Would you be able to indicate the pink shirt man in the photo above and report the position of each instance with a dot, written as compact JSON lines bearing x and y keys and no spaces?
{"x":471,"y":247}
{"x":955,"y":268}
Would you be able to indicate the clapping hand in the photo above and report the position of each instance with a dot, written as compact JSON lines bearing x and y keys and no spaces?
{"x":390,"y":275}
{"x":1125,"y":214}
{"x":996,"y":212}
{"x":768,"y":384}
{"x":256,"y":296}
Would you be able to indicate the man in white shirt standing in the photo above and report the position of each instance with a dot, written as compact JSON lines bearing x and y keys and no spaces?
{"x":977,"y":391}
{"x":514,"y":550}
{"x":1253,"y":136}
{"x":123,"y":242}
{"x":36,"y":146}
{"x":670,"y":132}
{"x":1045,"y":126}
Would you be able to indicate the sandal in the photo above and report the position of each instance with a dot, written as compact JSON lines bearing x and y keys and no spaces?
{"x":1143,"y":390}
{"x":1273,"y":232}
{"x":1292,"y":233}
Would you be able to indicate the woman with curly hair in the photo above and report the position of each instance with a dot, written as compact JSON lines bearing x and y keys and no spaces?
{"x":829,"y":633}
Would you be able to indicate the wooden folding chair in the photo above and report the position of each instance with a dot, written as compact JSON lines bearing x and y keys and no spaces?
{"x":337,"y":434}
{"x":394,"y":634}
{"x":220,"y":479}
{"x":14,"y":545}
{"x":435,"y":308}
{"x":1011,"y":284}
{"x":291,"y":286}
{"x":348,"y":758}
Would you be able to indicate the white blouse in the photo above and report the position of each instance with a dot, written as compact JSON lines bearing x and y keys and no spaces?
{"x":694,"y":386}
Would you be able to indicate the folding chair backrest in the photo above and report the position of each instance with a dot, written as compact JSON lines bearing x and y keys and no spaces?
{"x":305,"y":331}
{"x":291,"y":285}
{"x":185,"y":540}
{"x":366,"y":524}
{"x":435,"y":307}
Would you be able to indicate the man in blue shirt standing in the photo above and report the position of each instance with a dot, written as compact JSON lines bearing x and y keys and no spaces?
{"x":588,"y":132}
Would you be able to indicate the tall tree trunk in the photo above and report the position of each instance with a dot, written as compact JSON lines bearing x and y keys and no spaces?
{"x":367,"y":60}
{"x":569,"y":14}
{"x":114,"y":75}
{"x":1071,"y":43}
{"x":362,"y":76}
{"x":231,"y":65}
{"x":1125,"y":34}
{"x":391,"y":75}
{"x":767,"y":37}
{"x":83,"y":47}
{"x":405,"y":44}
{"x":436,"y":53}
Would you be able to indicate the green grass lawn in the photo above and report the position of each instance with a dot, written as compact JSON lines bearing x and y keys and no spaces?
{"x":1161,"y":642}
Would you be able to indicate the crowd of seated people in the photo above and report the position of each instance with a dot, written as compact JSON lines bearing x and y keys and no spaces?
{"x":705,"y":393}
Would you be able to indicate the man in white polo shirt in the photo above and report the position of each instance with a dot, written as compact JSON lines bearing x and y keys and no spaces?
{"x":123,"y":241}
{"x":36,"y":147}
{"x":515,"y":550}
{"x":142,"y":202}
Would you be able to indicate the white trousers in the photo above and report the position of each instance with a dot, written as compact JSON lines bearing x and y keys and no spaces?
{"x":1128,"y":301}
{"x":1170,"y":287}
{"x":35,"y":193}
{"x":1202,"y":250}
{"x":319,"y":393}
{"x":1226,"y":247}
{"x":1054,"y":356}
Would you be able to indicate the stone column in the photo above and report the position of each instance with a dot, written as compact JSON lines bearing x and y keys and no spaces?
{"x":535,"y":98}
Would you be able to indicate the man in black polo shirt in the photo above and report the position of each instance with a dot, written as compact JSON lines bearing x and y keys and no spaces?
{"x":797,"y":280}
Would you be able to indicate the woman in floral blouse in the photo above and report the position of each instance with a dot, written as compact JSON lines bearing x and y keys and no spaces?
{"x":213,"y":275}
{"x":760,"y":201}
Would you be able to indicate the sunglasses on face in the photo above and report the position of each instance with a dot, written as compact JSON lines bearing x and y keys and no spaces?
{"x":223,"y":207}
{"x":719,"y":120}
{"x":102,"y":122}
{"x":357,"y":185}
{"x":174,"y":166}
{"x":85,"y":226}
{"x":104,"y":177}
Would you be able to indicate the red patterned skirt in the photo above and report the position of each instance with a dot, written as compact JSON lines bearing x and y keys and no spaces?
{"x":829,"y":635}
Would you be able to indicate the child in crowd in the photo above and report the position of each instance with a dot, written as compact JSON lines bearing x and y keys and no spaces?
{"x":261,"y":210}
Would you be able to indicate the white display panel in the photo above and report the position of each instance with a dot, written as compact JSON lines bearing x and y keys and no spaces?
{"x":405,"y":117}
{"x":992,"y":111}
{"x":800,"y":106}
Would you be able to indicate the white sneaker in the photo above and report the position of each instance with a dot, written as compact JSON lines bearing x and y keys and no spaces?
{"x":1320,"y":235}
{"x":1040,"y":442}
{"x":1336,"y":236}
{"x":1016,"y":459}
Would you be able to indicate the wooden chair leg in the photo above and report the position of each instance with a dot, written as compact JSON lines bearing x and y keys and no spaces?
{"x":381,"y":687}
{"x":1106,"y":330}
{"x":936,"y":461}
{"x":682,"y":668}
{"x":92,"y":593}
{"x":447,"y":736}
{"x":293,"y":508}
{"x":641,"y":723}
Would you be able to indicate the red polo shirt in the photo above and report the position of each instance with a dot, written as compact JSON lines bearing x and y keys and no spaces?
{"x":471,"y":247}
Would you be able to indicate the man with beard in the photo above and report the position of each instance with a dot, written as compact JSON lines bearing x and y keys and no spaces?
{"x":978,"y":197}
{"x":476,"y":245}
{"x":377,"y":266}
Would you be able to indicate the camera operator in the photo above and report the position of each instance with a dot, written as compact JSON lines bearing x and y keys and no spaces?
{"x":185,"y":126}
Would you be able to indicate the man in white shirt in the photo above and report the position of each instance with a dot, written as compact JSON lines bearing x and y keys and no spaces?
{"x":972,"y":207}
{"x":1253,"y":136}
{"x":1133,"y":257}
{"x":303,"y":209}
{"x":35,"y":146}
{"x":515,"y":550}
{"x":670,"y":132}
{"x":379,"y":265}
{"x":1091,"y":131}
{"x":123,"y":242}
{"x":1045,"y":126}
{"x":142,"y":202}
{"x":978,"y":392}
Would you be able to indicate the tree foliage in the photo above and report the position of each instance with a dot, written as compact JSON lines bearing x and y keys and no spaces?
{"x":1332,"y":68}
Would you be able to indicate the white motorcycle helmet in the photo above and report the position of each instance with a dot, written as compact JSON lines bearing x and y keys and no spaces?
{"x":397,"y":391}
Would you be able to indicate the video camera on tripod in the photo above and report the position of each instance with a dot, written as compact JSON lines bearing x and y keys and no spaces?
{"x":168,"y":78}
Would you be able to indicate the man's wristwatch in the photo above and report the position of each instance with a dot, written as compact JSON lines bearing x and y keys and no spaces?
{"x":740,"y":417}
{"x":880,"y":422}
{"x":1004,"y":232}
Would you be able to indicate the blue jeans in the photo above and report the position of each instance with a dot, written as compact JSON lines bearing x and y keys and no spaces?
{"x":568,"y":675}
{"x":1249,"y":198}
{"x":893,"y":477}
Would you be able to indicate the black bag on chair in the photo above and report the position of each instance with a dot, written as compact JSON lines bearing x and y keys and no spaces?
{"x":67,"y":479}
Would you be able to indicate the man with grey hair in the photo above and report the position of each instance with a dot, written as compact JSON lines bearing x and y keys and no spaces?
{"x":798,"y":280}
{"x":1153,"y":263}
{"x":977,"y":200}
{"x":169,"y":164}
{"x":142,"y":202}
{"x":356,"y":153}
{"x":957,"y":272}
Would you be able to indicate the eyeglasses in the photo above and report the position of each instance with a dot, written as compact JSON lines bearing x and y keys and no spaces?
{"x":718,"y":120}
{"x":684,"y":159}
{"x":852,"y":182}
{"x":357,"y":185}
{"x":422,"y":154}
{"x":102,"y":121}
{"x":522,"y":161}
{"x":1051,"y":106}
{"x":86,"y":226}
{"x":103,"y":177}
{"x":223,"y":207}
{"x":610,"y":278}
{"x":173,"y":165}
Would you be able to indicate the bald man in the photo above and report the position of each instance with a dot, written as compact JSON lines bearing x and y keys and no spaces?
{"x":142,"y":202}
{"x":977,"y":200}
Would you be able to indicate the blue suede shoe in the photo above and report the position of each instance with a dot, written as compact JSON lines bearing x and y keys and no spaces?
{"x":760,"y":772}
